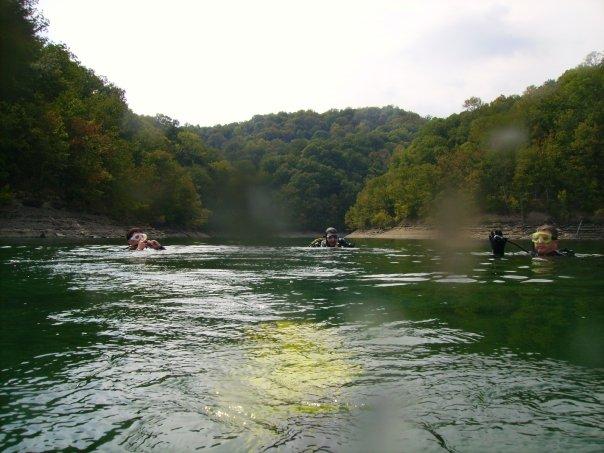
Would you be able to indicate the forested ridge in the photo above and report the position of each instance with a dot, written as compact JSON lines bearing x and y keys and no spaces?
{"x":541,"y":151}
{"x":304,"y":170}
{"x":69,"y":139}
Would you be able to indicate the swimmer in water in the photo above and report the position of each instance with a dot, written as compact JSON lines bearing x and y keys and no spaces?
{"x":545,"y":243}
{"x":137,"y":240}
{"x":331,"y":239}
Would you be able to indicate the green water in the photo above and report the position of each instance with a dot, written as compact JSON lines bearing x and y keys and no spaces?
{"x":394,"y":346}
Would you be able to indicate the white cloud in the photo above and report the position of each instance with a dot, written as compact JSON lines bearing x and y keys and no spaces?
{"x":208,"y":62}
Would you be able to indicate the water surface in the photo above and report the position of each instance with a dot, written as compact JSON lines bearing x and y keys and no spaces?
{"x":396,"y":345}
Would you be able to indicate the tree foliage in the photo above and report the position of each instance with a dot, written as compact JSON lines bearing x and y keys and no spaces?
{"x":541,"y":151}
{"x":310,"y":165}
{"x":68,"y":138}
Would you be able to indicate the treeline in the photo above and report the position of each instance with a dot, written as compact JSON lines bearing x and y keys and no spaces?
{"x":542,"y":151}
{"x":304,"y":170}
{"x":68,"y":138}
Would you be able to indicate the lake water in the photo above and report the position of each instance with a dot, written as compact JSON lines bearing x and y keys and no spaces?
{"x":393,"y":346}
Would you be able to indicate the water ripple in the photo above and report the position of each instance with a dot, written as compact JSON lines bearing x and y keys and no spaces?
{"x":258,"y":347}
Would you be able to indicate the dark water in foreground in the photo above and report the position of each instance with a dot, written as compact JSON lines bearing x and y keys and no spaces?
{"x":394,"y":346}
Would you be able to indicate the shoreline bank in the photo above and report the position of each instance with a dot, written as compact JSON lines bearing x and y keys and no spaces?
{"x":19,"y":221}
{"x":514,"y":231}
{"x":47,"y":222}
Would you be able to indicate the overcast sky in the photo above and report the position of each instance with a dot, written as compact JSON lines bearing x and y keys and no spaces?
{"x":208,"y":62}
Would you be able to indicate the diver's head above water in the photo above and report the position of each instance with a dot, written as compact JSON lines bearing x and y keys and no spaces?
{"x":137,"y":240}
{"x":331,"y":237}
{"x":498,"y":242}
{"x":545,"y":240}
{"x":135,"y":235}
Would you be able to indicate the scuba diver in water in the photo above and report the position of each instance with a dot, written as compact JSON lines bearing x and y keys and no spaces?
{"x":331,"y":239}
{"x":545,"y":243}
{"x":137,"y":240}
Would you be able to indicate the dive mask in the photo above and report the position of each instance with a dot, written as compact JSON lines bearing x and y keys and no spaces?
{"x":138,"y":237}
{"x":544,"y":237}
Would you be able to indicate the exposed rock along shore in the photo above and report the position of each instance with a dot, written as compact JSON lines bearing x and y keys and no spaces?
{"x":512,"y":231}
{"x":47,"y":222}
{"x":34,"y":222}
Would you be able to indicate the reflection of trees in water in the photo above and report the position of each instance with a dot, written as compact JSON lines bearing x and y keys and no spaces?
{"x":523,"y":317}
{"x":551,"y":315}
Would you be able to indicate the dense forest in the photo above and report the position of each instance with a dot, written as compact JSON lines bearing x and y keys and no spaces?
{"x":68,"y":138}
{"x":542,"y":151}
{"x":304,"y":170}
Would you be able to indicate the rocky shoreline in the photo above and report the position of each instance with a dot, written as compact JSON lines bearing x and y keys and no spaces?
{"x":19,"y":221}
{"x":513,"y":230}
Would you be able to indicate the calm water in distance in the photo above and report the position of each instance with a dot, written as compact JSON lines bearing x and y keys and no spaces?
{"x":393,"y":346}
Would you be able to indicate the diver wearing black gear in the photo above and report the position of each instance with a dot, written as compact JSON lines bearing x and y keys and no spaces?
{"x":331,"y":239}
{"x":544,"y":233}
{"x":545,"y":242}
{"x":497,"y":243}
{"x":561,"y":252}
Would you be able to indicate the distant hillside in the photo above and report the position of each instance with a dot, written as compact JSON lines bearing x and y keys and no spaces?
{"x":542,"y":151}
{"x":303,"y":170}
{"x":68,"y":139}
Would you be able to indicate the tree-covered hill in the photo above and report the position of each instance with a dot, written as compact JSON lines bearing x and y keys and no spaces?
{"x":542,"y":151}
{"x":308,"y":167}
{"x":68,"y":138}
